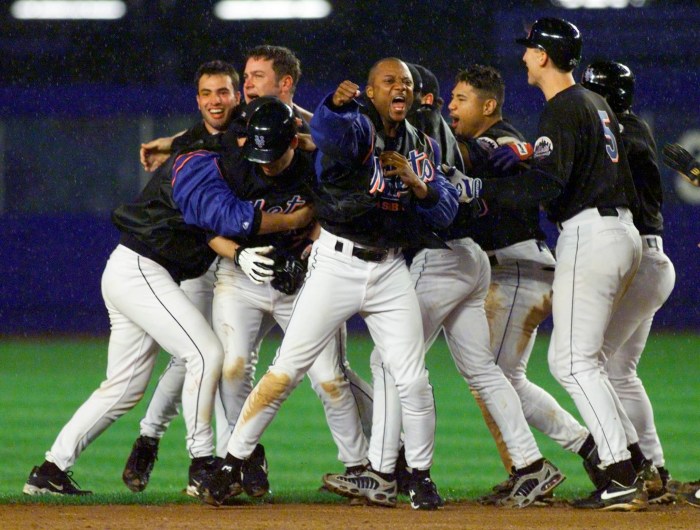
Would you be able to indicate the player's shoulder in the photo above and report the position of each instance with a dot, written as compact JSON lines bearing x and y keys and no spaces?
{"x":501,"y":132}
{"x":195,"y":160}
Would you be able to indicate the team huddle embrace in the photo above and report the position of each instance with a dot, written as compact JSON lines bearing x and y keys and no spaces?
{"x":266,"y":214}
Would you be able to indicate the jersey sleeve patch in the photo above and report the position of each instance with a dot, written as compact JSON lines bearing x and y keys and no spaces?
{"x":489,"y":144}
{"x":543,"y":148}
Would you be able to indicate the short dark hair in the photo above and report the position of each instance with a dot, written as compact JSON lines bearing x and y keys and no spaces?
{"x":487,"y":81}
{"x":284,"y":62}
{"x":218,"y":68}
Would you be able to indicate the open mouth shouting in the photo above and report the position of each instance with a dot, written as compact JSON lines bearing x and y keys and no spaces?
{"x":398,"y":105}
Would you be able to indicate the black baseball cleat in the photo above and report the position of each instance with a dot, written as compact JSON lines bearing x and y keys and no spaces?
{"x":254,"y":473}
{"x":200,"y":469}
{"x":223,"y":484}
{"x":49,"y":479}
{"x":423,"y":491}
{"x":137,"y":471}
{"x":616,"y":497}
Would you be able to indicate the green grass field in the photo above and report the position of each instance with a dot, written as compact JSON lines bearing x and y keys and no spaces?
{"x":44,"y":382}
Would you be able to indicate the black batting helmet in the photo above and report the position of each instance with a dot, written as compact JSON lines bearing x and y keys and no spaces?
{"x":559,"y":38}
{"x":270,"y":128}
{"x":614,"y":81}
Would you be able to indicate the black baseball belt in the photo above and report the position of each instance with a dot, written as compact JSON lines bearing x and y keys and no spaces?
{"x":365,"y":253}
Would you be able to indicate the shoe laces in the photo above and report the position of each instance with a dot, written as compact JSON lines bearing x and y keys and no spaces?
{"x":70,"y":480}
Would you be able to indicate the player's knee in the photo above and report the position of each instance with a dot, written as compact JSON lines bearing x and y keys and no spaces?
{"x":234,"y":369}
{"x":332,"y":390}
{"x":416,"y":394}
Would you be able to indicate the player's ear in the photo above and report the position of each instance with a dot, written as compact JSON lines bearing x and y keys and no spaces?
{"x":294,"y":143}
{"x":369,"y":91}
{"x":427,"y":99}
{"x":489,"y":107}
{"x":286,"y":83}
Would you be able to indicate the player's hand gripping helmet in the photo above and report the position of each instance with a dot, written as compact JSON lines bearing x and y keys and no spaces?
{"x":614,"y":81}
{"x":270,"y":128}
{"x":559,"y":38}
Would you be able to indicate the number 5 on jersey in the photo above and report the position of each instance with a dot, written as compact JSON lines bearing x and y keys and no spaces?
{"x":611,"y":143}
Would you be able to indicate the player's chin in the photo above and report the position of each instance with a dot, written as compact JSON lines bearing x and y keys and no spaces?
{"x":397,"y":115}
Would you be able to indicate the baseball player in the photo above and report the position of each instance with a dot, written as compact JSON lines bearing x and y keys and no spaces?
{"x":428,"y":116}
{"x":629,"y":327}
{"x":269,"y":71}
{"x":379,"y":189}
{"x":598,"y":250}
{"x":217,"y":98}
{"x":452,"y":286}
{"x":274,"y":177}
{"x":275,"y":71}
{"x":522,"y":266}
{"x":160,"y":246}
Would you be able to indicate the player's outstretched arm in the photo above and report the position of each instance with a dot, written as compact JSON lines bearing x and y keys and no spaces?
{"x":339,"y":129}
{"x":154,"y":153}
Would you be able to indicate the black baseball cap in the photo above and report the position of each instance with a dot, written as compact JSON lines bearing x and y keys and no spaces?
{"x":430,"y":82}
{"x":417,"y":79}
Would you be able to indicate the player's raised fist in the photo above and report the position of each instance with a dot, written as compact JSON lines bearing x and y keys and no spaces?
{"x":346,"y":91}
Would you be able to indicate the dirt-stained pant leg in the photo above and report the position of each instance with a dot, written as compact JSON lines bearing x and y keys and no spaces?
{"x":519,"y":300}
{"x":451,"y":286}
{"x":597,"y":257}
{"x":626,"y":338}
{"x":241,"y":310}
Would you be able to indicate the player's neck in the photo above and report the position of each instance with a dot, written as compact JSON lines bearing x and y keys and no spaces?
{"x":490,"y":122}
{"x":556,"y":82}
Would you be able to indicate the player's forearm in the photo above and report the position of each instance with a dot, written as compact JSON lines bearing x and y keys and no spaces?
{"x":279,"y":222}
{"x":341,"y":133}
{"x":224,"y":247}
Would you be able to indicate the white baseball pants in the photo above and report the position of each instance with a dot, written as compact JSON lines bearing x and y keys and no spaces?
{"x":626,"y":338}
{"x":147,"y":311}
{"x":519,"y":299}
{"x":597,"y":258}
{"x":337,"y":286}
{"x":240,"y":309}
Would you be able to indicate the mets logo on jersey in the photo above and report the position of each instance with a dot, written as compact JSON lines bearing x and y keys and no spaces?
{"x":543,"y":147}
{"x":420,"y":164}
{"x":281,"y":205}
{"x":259,"y":141}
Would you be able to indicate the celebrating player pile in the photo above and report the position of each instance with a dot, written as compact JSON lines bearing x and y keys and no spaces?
{"x":361,"y":216}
